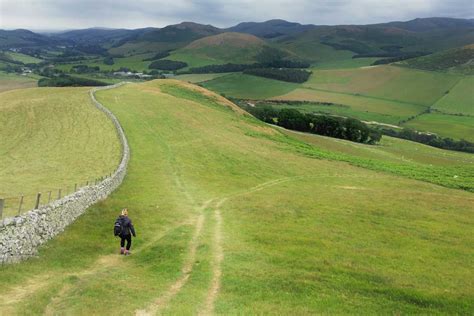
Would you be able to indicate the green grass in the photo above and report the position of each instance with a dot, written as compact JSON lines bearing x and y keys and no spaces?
{"x":196,"y":78}
{"x":459,"y":100}
{"x":344,"y":63}
{"x":390,"y":149}
{"x":249,"y":87}
{"x":52,"y":139}
{"x":457,"y":127}
{"x":301,"y":233}
{"x":193,"y":60}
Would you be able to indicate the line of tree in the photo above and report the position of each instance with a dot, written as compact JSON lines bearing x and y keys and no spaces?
{"x":68,"y":81}
{"x":165,"y":64}
{"x":393,"y":54}
{"x":230,"y":67}
{"x":338,"y":127}
{"x":390,"y":60}
{"x":283,"y":74}
{"x":430,"y":139}
{"x":84,"y":69}
{"x":158,"y":56}
{"x":109,"y":60}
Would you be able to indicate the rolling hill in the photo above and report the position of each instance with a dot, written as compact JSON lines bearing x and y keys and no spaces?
{"x":168,"y":38}
{"x":237,"y":217}
{"x":101,"y":36}
{"x":23,"y":38}
{"x":270,"y":29}
{"x":223,"y":48}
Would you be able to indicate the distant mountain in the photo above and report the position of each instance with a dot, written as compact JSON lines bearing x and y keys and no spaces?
{"x":184,"y":32}
{"x":101,"y":35}
{"x":432,"y":24}
{"x":380,"y":40}
{"x":23,"y":38}
{"x":168,"y":38}
{"x":270,"y":29}
{"x":457,"y":60}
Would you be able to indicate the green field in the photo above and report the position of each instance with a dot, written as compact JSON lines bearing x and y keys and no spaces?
{"x":26,"y":59}
{"x":457,"y":127}
{"x":459,"y":100}
{"x":364,"y":108}
{"x":52,"y":138}
{"x":134,"y":62}
{"x":235,"y":217}
{"x":387,"y":82}
{"x":196,"y":78}
{"x":242,"y":86}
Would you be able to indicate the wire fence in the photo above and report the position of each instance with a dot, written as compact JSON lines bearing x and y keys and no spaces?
{"x":17,"y":205}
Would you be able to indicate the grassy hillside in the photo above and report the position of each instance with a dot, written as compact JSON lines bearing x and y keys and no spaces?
{"x":234,"y":217}
{"x":226,"y":47}
{"x":52,"y":138}
{"x":385,"y":94}
{"x":456,"y":60}
{"x":26,"y":59}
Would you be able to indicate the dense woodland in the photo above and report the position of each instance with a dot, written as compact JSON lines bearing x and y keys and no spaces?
{"x":338,"y":127}
{"x":68,"y":81}
{"x":283,"y":74}
{"x":165,"y":64}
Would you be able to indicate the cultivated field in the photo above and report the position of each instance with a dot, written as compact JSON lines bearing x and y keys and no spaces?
{"x":52,"y":138}
{"x":364,"y":108}
{"x":457,"y":127}
{"x":14,"y":81}
{"x":236,"y":217}
{"x":386,"y":82}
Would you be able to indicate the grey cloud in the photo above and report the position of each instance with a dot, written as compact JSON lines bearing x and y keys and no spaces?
{"x":67,"y":14}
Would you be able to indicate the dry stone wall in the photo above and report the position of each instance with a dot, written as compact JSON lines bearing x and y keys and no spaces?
{"x":20,"y":236}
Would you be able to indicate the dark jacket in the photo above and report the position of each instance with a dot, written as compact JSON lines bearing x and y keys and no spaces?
{"x":127,"y":226}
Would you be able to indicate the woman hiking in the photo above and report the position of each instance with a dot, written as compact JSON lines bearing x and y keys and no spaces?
{"x":126,"y":232}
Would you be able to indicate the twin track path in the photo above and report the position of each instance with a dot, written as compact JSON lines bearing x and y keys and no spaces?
{"x":215,"y":206}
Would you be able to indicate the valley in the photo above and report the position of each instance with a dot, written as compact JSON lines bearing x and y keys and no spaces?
{"x":275,"y":168}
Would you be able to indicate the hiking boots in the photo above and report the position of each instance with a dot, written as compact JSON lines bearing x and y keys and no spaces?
{"x":122,"y":250}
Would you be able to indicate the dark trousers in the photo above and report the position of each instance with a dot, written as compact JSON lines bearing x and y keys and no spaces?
{"x":128,"y":238}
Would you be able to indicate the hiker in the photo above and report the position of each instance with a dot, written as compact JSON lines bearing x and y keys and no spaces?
{"x":124,"y":229}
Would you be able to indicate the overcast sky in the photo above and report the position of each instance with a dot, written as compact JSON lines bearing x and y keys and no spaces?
{"x":72,"y":14}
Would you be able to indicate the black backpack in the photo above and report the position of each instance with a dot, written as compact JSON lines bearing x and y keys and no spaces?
{"x":118,"y":228}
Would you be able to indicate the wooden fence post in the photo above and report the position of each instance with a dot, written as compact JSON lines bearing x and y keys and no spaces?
{"x":75,"y":187}
{"x":59,"y":194}
{"x":2,"y":203}
{"x":38,"y":197}
{"x":21,"y":204}
{"x":49,"y":196}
